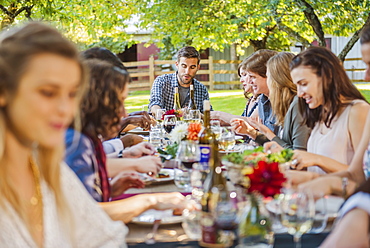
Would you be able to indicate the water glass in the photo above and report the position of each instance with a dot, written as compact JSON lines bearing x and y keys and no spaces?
{"x":216,"y":128}
{"x":191,"y":219}
{"x":321,"y":215}
{"x":155,"y":137}
{"x":182,"y":176}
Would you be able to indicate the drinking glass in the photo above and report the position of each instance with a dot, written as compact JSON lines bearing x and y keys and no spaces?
{"x":155,"y":137}
{"x":187,"y":154}
{"x":321,"y":215}
{"x":145,"y":108}
{"x":297,"y":213}
{"x":159,"y":115}
{"x":227,"y":139}
{"x":194,"y":115}
{"x":169,"y":122}
{"x":216,"y":128}
{"x":191,"y":219}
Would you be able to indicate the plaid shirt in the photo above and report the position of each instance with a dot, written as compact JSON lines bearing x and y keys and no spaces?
{"x":162,"y":93}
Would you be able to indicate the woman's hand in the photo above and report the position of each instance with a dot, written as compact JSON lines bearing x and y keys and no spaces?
{"x":139,"y":150}
{"x":241,"y":127}
{"x":297,"y":177}
{"x":272,"y":147}
{"x":163,"y":201}
{"x":257,"y":124}
{"x":302,"y":159}
{"x":148,"y":164}
{"x":125,"y":180}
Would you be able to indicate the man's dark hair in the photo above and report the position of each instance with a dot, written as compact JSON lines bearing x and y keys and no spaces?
{"x":104,"y":54}
{"x":188,"y":52}
{"x":365,"y":35}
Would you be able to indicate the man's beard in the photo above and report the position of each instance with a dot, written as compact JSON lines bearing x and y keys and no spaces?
{"x":182,"y":80}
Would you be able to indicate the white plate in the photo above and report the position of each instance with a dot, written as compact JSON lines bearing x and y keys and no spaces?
{"x":139,"y":130}
{"x":149,"y":180}
{"x":238,"y":137}
{"x":149,"y":216}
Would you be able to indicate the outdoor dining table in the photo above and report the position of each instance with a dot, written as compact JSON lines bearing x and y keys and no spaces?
{"x":173,"y":235}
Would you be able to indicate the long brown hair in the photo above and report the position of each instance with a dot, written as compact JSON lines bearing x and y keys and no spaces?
{"x":282,"y":89}
{"x":100,"y":107}
{"x":335,"y":85}
{"x":17,"y":47}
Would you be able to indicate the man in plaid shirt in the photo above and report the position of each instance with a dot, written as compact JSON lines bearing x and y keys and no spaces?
{"x":162,"y":93}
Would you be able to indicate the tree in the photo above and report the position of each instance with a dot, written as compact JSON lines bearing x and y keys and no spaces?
{"x":86,"y":22}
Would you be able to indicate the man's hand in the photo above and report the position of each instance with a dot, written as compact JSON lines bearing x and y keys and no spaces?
{"x":129,"y":140}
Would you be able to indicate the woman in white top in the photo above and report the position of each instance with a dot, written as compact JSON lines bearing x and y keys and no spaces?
{"x":42,"y":203}
{"x":332,"y":106}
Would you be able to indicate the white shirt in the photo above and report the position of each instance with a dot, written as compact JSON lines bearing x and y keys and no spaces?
{"x":92,"y":226}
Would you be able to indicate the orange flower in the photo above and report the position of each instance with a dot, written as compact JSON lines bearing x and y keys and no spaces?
{"x":193,"y":130}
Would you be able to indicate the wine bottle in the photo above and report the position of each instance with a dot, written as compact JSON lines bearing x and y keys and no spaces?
{"x":176,"y":102}
{"x":192,"y":104}
{"x":212,"y":234}
{"x":205,"y":136}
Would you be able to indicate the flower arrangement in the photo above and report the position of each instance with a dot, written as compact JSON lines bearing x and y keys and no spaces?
{"x":181,"y":132}
{"x":260,"y":171}
{"x":178,"y":113}
{"x":185,"y":131}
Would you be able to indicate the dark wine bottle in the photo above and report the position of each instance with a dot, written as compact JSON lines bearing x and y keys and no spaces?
{"x":192,"y":104}
{"x":211,"y":232}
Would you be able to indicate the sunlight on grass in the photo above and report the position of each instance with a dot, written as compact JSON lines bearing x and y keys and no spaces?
{"x":231,"y":101}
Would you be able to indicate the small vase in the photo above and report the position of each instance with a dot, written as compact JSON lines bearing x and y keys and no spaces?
{"x":255,"y":225}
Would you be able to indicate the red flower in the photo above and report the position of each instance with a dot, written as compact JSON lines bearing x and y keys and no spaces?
{"x":266,"y":179}
{"x":177,"y":113}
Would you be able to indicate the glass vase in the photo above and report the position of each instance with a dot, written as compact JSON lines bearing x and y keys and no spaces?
{"x":254,"y":224}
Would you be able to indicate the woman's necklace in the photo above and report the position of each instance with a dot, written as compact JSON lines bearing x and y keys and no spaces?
{"x":36,"y":200}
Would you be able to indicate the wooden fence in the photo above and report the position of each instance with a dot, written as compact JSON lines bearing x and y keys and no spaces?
{"x":143,"y":73}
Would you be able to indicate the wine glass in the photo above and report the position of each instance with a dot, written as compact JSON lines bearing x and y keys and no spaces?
{"x":227,"y":139}
{"x":169,"y":122}
{"x":297,"y":213}
{"x":187,"y":154}
{"x":194,"y":115}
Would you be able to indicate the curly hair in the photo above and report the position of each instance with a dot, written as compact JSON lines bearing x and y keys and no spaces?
{"x":101,"y":106}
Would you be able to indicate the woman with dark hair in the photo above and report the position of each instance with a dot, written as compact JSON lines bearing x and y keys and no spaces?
{"x":101,"y":110}
{"x":332,"y":106}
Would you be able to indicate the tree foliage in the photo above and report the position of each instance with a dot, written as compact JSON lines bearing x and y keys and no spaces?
{"x":217,"y":24}
{"x":86,"y":22}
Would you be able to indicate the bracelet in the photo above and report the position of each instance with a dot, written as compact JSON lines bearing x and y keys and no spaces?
{"x":344,"y":186}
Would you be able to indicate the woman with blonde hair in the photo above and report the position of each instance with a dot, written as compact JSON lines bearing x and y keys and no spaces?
{"x":43,"y":204}
{"x":284,"y":104}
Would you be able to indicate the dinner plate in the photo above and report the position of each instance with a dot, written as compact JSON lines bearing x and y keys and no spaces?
{"x":148,"y":217}
{"x":149,"y":180}
{"x":139,"y":130}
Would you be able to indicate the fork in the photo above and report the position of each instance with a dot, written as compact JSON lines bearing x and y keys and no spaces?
{"x":150,"y":238}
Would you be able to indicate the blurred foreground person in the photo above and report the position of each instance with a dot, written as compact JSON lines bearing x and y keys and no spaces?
{"x":43,"y":204}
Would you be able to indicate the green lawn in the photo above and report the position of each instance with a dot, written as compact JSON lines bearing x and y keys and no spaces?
{"x":231,"y":101}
